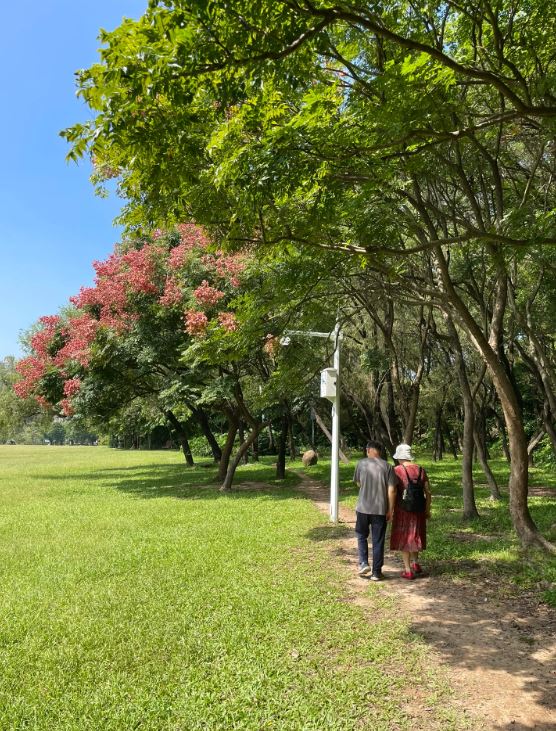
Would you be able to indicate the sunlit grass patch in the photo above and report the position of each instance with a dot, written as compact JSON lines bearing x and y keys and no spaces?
{"x":135,"y":595}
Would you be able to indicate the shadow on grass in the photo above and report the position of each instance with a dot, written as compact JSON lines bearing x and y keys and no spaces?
{"x":322,"y":533}
{"x":148,"y":481}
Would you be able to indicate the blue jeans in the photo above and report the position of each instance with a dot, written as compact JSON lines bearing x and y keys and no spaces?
{"x":377,"y":525}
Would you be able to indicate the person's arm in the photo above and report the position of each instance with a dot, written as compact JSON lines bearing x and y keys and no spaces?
{"x":428,"y":498}
{"x":356,"y":475}
{"x":391,"y":501}
{"x":392,"y":490}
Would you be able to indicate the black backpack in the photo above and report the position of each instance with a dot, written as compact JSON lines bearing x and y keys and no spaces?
{"x":413,"y":498}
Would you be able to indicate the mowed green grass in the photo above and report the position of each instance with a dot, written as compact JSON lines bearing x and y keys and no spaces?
{"x":486,"y":546}
{"x":133,"y":595}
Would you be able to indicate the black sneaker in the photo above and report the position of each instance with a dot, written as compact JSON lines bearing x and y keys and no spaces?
{"x":364,"y":569}
{"x":377,"y":577}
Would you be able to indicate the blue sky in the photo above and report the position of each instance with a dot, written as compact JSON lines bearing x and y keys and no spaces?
{"x":52,"y":226}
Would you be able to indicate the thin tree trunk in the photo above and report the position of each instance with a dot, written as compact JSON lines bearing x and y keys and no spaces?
{"x":503,"y":435}
{"x":450,"y":438}
{"x":182,"y":437}
{"x":549,"y":427}
{"x":202,"y":419}
{"x":438,"y":439}
{"x":256,"y":449}
{"x":282,"y":438}
{"x":328,"y":435}
{"x":228,"y":446}
{"x":271,"y":442}
{"x":491,"y":480}
{"x":241,"y":434}
{"x":532,"y":445}
{"x":291,"y":437}
{"x":469,"y":506}
{"x":229,"y":478}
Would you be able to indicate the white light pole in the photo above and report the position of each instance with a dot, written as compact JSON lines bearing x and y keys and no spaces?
{"x":330,"y":389}
{"x":334,"y":464}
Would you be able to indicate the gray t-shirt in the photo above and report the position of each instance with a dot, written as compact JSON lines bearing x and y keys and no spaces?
{"x":373,"y":477}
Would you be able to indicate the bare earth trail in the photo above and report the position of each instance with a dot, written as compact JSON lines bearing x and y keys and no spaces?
{"x":499,"y":652}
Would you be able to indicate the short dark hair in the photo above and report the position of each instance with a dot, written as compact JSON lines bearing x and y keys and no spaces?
{"x":373,"y":444}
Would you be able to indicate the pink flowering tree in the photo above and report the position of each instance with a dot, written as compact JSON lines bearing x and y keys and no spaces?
{"x":171,"y":319}
{"x":124,"y":336}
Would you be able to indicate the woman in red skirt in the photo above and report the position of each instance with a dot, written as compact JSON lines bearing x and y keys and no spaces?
{"x":409,"y":529}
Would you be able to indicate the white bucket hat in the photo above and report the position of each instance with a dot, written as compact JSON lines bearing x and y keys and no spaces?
{"x":403,"y":451}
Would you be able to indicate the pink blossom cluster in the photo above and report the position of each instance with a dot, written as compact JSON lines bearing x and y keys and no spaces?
{"x":31,"y":370}
{"x":206,"y":295}
{"x":139,"y":270}
{"x":192,"y":236}
{"x":80,"y":333}
{"x":42,"y":339}
{"x":71,"y":387}
{"x":66,"y":407}
{"x":227,"y":266}
{"x":117,"y":277}
{"x":228,"y":321}
{"x":195,"y":322}
{"x":172,"y":294}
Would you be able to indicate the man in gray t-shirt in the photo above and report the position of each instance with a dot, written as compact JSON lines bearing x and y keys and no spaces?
{"x":374,"y":507}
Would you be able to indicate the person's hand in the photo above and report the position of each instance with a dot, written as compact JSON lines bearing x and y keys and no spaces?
{"x":388,"y":516}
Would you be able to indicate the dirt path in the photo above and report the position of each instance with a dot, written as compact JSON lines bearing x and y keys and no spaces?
{"x":500,"y":652}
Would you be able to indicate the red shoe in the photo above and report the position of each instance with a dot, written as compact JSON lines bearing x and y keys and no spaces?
{"x":416,"y":568}
{"x":409,"y":575}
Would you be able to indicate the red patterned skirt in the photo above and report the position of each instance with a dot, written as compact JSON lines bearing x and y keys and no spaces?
{"x":409,"y":531}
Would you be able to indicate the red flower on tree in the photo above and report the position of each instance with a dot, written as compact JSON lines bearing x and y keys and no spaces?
{"x":228,"y":321}
{"x":196,"y":322}
{"x":31,"y":369}
{"x":207,"y":295}
{"x":172,"y":294}
{"x":80,"y":333}
{"x":72,"y":386}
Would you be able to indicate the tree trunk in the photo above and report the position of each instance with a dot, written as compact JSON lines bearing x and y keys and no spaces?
{"x":438,"y":438}
{"x":202,"y":419}
{"x":450,"y":438}
{"x":228,"y":447}
{"x":503,"y":435}
{"x":469,"y":506}
{"x":271,"y":442}
{"x":328,"y":435}
{"x":291,"y":437}
{"x":533,"y":444}
{"x":256,"y":449}
{"x":282,"y":438}
{"x":549,"y":427}
{"x":241,"y":434}
{"x":227,"y":484}
{"x":491,"y":480}
{"x":182,"y":437}
{"x":524,"y":525}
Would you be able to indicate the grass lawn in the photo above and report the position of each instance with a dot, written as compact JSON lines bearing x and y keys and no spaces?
{"x":488,"y":544}
{"x":135,"y":596}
